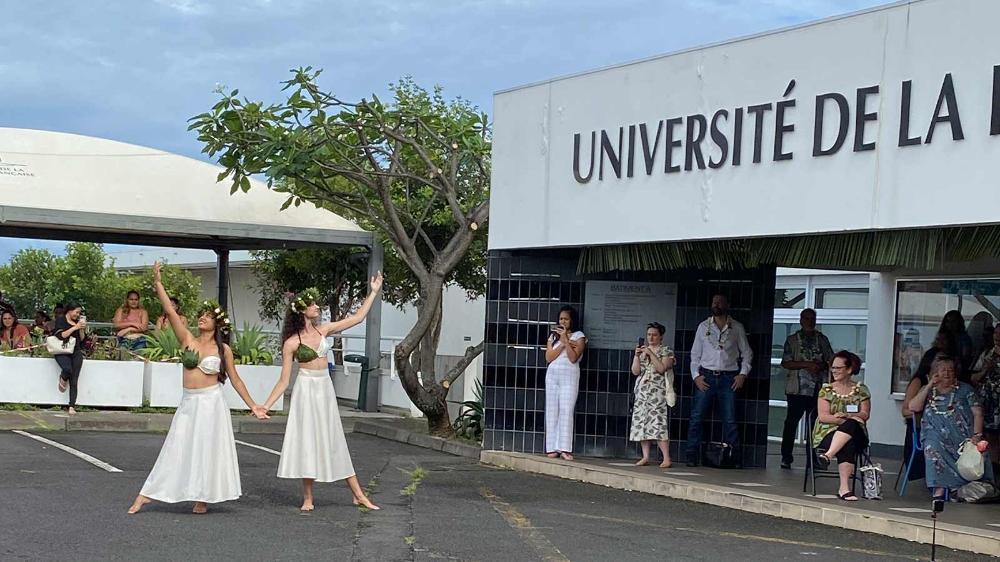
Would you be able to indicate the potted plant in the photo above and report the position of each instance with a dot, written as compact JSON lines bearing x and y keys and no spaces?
{"x":162,"y":378}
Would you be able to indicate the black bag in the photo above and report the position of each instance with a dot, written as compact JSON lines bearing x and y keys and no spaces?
{"x":719,"y":455}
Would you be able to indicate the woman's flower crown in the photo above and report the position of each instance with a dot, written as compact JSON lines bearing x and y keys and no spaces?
{"x":222,"y":321}
{"x":304,"y":300}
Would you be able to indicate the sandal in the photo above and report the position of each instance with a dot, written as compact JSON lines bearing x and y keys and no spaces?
{"x":822,"y":461}
{"x":848,"y":497}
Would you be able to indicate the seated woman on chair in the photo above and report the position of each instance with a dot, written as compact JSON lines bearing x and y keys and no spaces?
{"x":844,"y":407}
{"x":953,"y":413}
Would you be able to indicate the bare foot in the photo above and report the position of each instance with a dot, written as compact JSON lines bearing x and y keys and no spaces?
{"x":363,"y":501}
{"x":200,"y":507}
{"x":642,"y":462}
{"x":140,"y":501}
{"x":666,"y":463}
{"x":71,"y":411}
{"x":567,"y":456}
{"x":552,"y":455}
{"x":307,"y":505}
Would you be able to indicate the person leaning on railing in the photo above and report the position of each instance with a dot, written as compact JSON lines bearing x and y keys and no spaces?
{"x":13,"y":335}
{"x":131,"y":322}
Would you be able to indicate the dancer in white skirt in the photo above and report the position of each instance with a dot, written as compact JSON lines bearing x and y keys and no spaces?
{"x":314,"y":448}
{"x":198,"y":459}
{"x":563,"y":350}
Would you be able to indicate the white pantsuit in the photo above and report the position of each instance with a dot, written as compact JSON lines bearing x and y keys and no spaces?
{"x":562,"y":383}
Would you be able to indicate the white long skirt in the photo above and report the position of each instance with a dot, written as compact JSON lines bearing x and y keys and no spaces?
{"x":314,"y":445}
{"x":198,"y":459}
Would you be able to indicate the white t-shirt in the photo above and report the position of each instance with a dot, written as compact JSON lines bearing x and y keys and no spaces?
{"x":563,"y":359}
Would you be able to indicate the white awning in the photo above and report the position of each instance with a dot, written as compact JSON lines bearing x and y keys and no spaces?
{"x":72,"y":187}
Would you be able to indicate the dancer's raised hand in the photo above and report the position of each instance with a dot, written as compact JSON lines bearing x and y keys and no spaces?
{"x":376,"y":282}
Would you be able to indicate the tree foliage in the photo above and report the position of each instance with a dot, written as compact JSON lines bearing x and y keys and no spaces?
{"x":414,"y":170}
{"x":340,"y":275}
{"x":38,"y":279}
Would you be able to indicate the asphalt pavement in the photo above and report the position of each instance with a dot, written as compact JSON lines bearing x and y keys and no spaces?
{"x":56,"y":506}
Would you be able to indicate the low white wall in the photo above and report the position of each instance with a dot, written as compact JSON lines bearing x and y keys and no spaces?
{"x":29,"y":380}
{"x":165,"y":389}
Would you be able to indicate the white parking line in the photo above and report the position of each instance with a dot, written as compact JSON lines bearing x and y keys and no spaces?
{"x":96,"y":462}
{"x":252,"y":446}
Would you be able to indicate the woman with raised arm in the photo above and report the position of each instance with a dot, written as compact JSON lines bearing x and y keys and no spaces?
{"x":314,"y":448}
{"x":198,"y":459}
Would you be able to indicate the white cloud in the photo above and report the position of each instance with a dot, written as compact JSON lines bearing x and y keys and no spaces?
{"x":187,"y":7}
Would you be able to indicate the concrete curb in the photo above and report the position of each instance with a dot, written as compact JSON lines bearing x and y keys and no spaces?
{"x":958,"y":537}
{"x":401,"y":435}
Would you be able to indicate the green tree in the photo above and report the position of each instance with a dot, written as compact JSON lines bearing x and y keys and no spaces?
{"x":182,"y":285}
{"x":38,"y":279}
{"x":25,"y":280}
{"x":414,"y":170}
{"x":339,"y":274}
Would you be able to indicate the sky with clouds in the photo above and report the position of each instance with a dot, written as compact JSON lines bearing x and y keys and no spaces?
{"x":136,"y":70}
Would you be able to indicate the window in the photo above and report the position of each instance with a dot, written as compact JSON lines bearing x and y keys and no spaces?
{"x":790,"y":298}
{"x":920,"y":308}
{"x":853,"y":299}
{"x":852,"y":337}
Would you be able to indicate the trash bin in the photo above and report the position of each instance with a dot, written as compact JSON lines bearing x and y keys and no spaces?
{"x":364,"y":404}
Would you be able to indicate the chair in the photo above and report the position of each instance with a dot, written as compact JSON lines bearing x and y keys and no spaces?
{"x":903,"y":476}
{"x":812,"y":473}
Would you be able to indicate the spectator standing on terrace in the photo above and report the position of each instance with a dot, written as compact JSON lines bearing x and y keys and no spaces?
{"x":720,"y":363}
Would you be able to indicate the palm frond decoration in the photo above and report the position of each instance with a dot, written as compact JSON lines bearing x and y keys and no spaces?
{"x":915,"y":249}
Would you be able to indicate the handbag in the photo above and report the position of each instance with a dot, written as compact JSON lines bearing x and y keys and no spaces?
{"x":871,"y":478}
{"x":719,"y":455}
{"x":56,"y":346}
{"x":970,"y":461}
{"x":668,"y":379}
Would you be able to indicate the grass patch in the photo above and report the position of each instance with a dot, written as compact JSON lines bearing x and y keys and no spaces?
{"x":18,"y":407}
{"x":147,"y":409}
{"x":416,"y":477}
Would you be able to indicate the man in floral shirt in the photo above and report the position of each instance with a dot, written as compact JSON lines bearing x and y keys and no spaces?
{"x":806,"y":360}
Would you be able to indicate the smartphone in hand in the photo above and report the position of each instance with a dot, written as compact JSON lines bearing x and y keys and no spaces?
{"x":641,"y":342}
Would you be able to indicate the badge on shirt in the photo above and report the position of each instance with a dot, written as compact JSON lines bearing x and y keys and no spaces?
{"x":852,"y":408}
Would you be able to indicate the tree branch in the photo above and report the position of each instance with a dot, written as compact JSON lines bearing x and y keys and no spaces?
{"x":470,"y":355}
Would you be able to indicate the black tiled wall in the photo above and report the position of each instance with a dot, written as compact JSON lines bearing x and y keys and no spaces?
{"x":526,"y":290}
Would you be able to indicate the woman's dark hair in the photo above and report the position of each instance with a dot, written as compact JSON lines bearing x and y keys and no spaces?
{"x":294,"y":323}
{"x":955,"y":317}
{"x":43,"y":314}
{"x":657,"y":326}
{"x":175,"y":302}
{"x":221,"y":340}
{"x":574,"y":317}
{"x":70,"y":306}
{"x":852,"y":361}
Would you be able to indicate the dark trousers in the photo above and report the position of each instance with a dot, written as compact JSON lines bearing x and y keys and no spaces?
{"x":71,"y":363}
{"x":797,"y":406}
{"x":720,"y":391}
{"x":858,"y":442}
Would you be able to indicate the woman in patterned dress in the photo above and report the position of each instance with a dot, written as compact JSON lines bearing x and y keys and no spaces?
{"x":844,"y":407}
{"x":953,"y":413}
{"x":654,"y":394}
